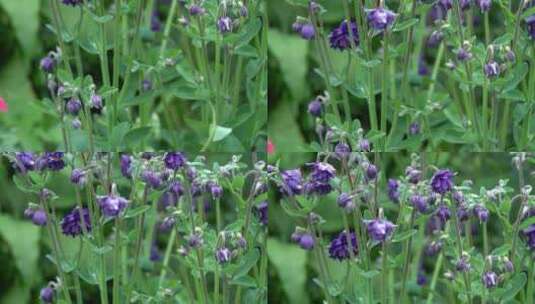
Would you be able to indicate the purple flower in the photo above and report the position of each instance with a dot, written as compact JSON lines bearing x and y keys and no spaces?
{"x":195,"y":240}
{"x":196,"y":10}
{"x":322,"y":172}
{"x":443,"y":213}
{"x":393,"y":190}
{"x":216,"y":190}
{"x":530,"y":22}
{"x":167,"y":224}
{"x":492,"y":69}
{"x":458,"y":197}
{"x":484,"y":5}
{"x":48,"y":64}
{"x":292,"y":182}
{"x":371,"y":171}
{"x":126,"y":165}
{"x":442,"y":181}
{"x":78,"y":177}
{"x":342,"y":150}
{"x":380,"y":229}
{"x":174,"y":160}
{"x":262,"y":212}
{"x":490,"y":279}
{"x":223,"y":255}
{"x":152,"y":178}
{"x":463,"y":54}
{"x":437,"y":12}
{"x":463,"y":265}
{"x":168,"y":198}
{"x":422,"y":67}
{"x":364,"y":145}
{"x":71,"y":224}
{"x":447,"y":4}
{"x":465,"y":4}
{"x":146,"y":85}
{"x":315,"y":108}
{"x":155,"y":255}
{"x":419,"y":202}
{"x":379,"y":18}
{"x":340,"y":37}
{"x":435,"y":39}
{"x":339,"y":247}
{"x":155,"y":23}
{"x":306,"y":241}
{"x":54,"y":160}
{"x":224,"y":24}
{"x":319,"y":188}
{"x":112,"y":205}
{"x":47,"y":294}
{"x":73,"y":2}
{"x":433,"y":248}
{"x":462,"y":213}
{"x":421,"y":279}
{"x":25,"y":161}
{"x":96,"y":102}
{"x":344,"y":199}
{"x":434,"y":225}
{"x":244,"y":12}
{"x":307,"y":31}
{"x":413,"y":175}
{"x":74,"y":105}
{"x":76,"y":123}
{"x":529,"y":234}
{"x":39,"y":217}
{"x":481,"y":212}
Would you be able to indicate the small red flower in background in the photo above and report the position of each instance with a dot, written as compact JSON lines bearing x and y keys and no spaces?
{"x":3,"y":105}
{"x":270,"y":147}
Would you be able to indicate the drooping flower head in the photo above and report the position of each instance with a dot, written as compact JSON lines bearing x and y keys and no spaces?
{"x":435,"y":39}
{"x":25,"y":161}
{"x":419,"y":202}
{"x":481,"y":213}
{"x":340,"y":37}
{"x":224,"y":24}
{"x":393,"y":190}
{"x":223,"y":255}
{"x":380,"y":229}
{"x":339,"y":249}
{"x":315,"y":108}
{"x":530,"y":22}
{"x":529,"y":234}
{"x":380,"y":19}
{"x":78,"y":177}
{"x":174,"y":160}
{"x":73,"y":2}
{"x":306,"y":241}
{"x":72,"y":223}
{"x":196,"y":10}
{"x":342,"y":150}
{"x":152,"y":178}
{"x":48,"y":63}
{"x":442,"y":181}
{"x":47,"y":294}
{"x":292,"y":182}
{"x":322,"y":172}
{"x":38,"y":216}
{"x":490,"y":279}
{"x":262,"y":212}
{"x":463,"y":264}
{"x":54,"y":160}
{"x":112,"y":205}
{"x":492,"y":69}
{"x":484,"y":5}
{"x":126,"y":165}
{"x":307,"y":31}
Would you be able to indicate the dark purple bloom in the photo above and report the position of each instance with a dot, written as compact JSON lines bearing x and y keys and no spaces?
{"x":481,"y":212}
{"x":196,"y":10}
{"x":529,"y":234}
{"x":315,"y":108}
{"x":433,"y":248}
{"x":463,"y":265}
{"x":371,"y":171}
{"x":306,"y":241}
{"x":447,"y":4}
{"x":168,"y":198}
{"x":490,"y":279}
{"x":344,"y":199}
{"x":73,"y":2}
{"x":25,"y":161}
{"x":78,"y":177}
{"x":492,"y":69}
{"x":39,"y":217}
{"x":510,"y":55}
{"x":340,"y":37}
{"x":484,"y":5}
{"x":48,"y":64}
{"x":174,"y":160}
{"x":393,"y":190}
{"x":224,"y":24}
{"x":319,"y":188}
{"x":342,"y":150}
{"x":443,"y":213}
{"x":421,"y":279}
{"x":112,"y":205}
{"x":339,"y":247}
{"x":380,"y":229}
{"x":419,"y":202}
{"x":307,"y":31}
{"x":155,"y":23}
{"x":435,"y":39}
{"x":297,"y":26}
{"x":465,"y":4}
{"x":216,"y":190}
{"x":152,"y":178}
{"x":442,"y":181}
{"x":423,"y":70}
{"x":437,"y":12}
{"x":223,"y":255}
{"x":530,"y":22}
{"x":292,"y":182}
{"x":195,"y":240}
{"x":167,"y":224}
{"x":364,"y":145}
{"x":47,"y":294}
{"x":462,"y":213}
{"x":458,"y":197}
{"x":96,"y":102}
{"x":463,"y":54}
{"x":74,"y":105}
{"x":413,"y":175}
{"x":262,"y":212}
{"x":155,"y":255}
{"x":54,"y":160}
{"x":379,"y":18}
{"x":71,"y":224}
{"x":434,"y":225}
{"x":126,"y":165}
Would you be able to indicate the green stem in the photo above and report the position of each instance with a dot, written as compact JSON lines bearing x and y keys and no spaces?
{"x":434,"y":279}
{"x":531,"y":279}
{"x":167,"y":257}
{"x":384,"y":89}
{"x":167,"y":29}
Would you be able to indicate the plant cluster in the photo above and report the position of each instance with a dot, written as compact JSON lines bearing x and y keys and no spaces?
{"x":420,"y":237}
{"x":150,"y":228}
{"x":182,"y":74}
{"x":430,"y":74}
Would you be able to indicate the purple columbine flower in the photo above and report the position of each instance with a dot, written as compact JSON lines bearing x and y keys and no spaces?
{"x":492,"y":69}
{"x":443,"y":213}
{"x":433,"y":248}
{"x":47,"y":294}
{"x":423,"y":70}
{"x":126,"y":165}
{"x":413,"y":175}
{"x":292,"y":182}
{"x":462,"y":213}
{"x":306,"y":241}
{"x":223,"y":255}
{"x":490,"y":279}
{"x":25,"y":161}
{"x":146,"y":85}
{"x":458,"y":197}
{"x":463,"y":265}
{"x":481,"y":212}
{"x":71,"y":224}
{"x":342,"y":150}
{"x":224,"y":24}
{"x":39,"y":217}
{"x":196,"y":10}
{"x":529,"y":234}
{"x":262,"y":212}
{"x":510,"y":55}
{"x":434,"y":225}
{"x":530,"y":22}
{"x":48,"y":63}
{"x":421,"y":279}
{"x":152,"y":178}
{"x":54,"y":160}
{"x":442,"y":181}
{"x":155,"y":23}
{"x":419,"y":202}
{"x":155,"y":255}
{"x":364,"y":145}
{"x":463,"y":54}
{"x":371,"y":171}
{"x":435,"y":39}
{"x":437,"y":12}
{"x":315,"y":108}
{"x":167,"y":224}
{"x":78,"y":177}
{"x":112,"y":205}
{"x":447,"y":4}
{"x":340,"y":37}
{"x":216,"y":190}
{"x":168,"y":198}
{"x":174,"y":160}
{"x":380,"y":19}
{"x":339,"y":247}
{"x":345,"y":200}
{"x":484,"y":5}
{"x":393,"y":190}
{"x":465,"y":4}
{"x":195,"y":240}
{"x":380,"y":229}
{"x":76,"y":123}
{"x":74,"y":105}
{"x":96,"y":102}
{"x":307,"y":31}
{"x":319,"y":188}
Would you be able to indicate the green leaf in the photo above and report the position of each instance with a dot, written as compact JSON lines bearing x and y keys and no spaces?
{"x":221,"y":133}
{"x":24,"y":15}
{"x":246,"y":263}
{"x":403,"y":25}
{"x":290,"y":263}
{"x":403,"y":235}
{"x":514,"y":286}
{"x":136,"y":211}
{"x":135,"y":136}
